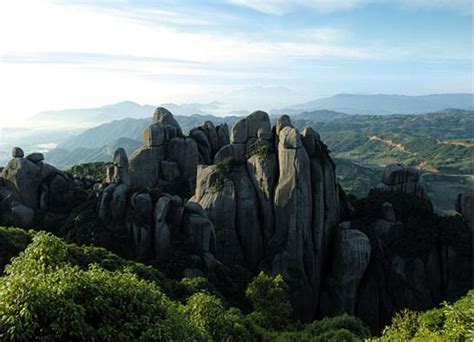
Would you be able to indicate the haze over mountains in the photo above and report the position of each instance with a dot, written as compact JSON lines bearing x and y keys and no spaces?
{"x":74,"y":130}
{"x":379,"y":104}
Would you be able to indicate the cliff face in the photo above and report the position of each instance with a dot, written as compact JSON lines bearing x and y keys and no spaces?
{"x":256,"y":198}
{"x":273,"y":197}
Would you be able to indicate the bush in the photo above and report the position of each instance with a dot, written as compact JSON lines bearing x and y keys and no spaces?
{"x":450,"y":322}
{"x":269,"y":298}
{"x":209,"y":316}
{"x":258,"y":150}
{"x":44,"y":297}
{"x":12,"y":242}
{"x":335,"y":329}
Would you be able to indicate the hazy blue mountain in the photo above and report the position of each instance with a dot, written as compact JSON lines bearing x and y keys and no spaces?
{"x":384,"y":104}
{"x":89,"y":117}
{"x":320,"y":115}
{"x":64,"y":159}
{"x":107,"y":133}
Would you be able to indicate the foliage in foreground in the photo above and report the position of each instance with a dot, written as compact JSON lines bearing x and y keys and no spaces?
{"x":55,"y":291}
{"x":450,"y":322}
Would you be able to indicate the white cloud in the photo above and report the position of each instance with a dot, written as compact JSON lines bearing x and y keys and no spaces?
{"x":58,"y":56}
{"x":281,"y":7}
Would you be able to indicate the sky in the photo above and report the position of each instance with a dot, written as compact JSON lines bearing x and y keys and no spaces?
{"x":80,"y":54}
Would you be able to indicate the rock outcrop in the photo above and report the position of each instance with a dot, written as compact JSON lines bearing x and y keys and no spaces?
{"x":256,"y":198}
{"x":401,"y":179}
{"x":279,"y":191}
{"x":464,"y":205}
{"x":35,"y":193}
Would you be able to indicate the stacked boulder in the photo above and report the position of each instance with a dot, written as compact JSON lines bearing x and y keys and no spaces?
{"x":274,"y":203}
{"x":209,"y":140}
{"x":166,"y":154}
{"x":134,"y":201}
{"x":34,"y":192}
{"x":416,"y":258}
{"x":402,"y":179}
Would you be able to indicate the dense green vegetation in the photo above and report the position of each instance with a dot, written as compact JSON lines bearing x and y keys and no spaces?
{"x":95,"y":170}
{"x":450,"y":322}
{"x":55,"y":291}
{"x":436,"y":141}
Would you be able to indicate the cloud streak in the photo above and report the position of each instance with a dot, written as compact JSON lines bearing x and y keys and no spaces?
{"x":282,"y":7}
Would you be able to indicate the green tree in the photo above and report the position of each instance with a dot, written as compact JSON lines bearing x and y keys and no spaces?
{"x":208,"y":314}
{"x":270,"y":300}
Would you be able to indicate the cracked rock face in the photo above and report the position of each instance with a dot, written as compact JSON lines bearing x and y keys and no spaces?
{"x":279,"y":191}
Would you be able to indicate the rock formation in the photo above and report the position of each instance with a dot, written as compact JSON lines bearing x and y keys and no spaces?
{"x":464,"y":205}
{"x":256,"y":198}
{"x":401,"y":179}
{"x":33,"y":192}
{"x":274,"y":203}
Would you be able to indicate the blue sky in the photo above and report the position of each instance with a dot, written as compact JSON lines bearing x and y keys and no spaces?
{"x":62,"y":54}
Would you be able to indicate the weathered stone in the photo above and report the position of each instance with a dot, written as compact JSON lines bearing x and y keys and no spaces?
{"x":292,"y":244}
{"x":388,"y":212}
{"x":388,"y":231}
{"x":224,"y":153}
{"x":290,"y":138}
{"x":203,"y":145}
{"x":109,"y":173}
{"x":22,"y":215}
{"x":154,"y":135}
{"x":211,"y":133}
{"x":120,"y":160}
{"x":118,"y":205}
{"x":164,"y":116}
{"x":105,"y":208}
{"x":199,"y":232}
{"x":263,"y":174}
{"x":35,"y":157}
{"x":17,"y":152}
{"x":169,"y":170}
{"x":24,"y":179}
{"x":239,"y":132}
{"x":145,"y":166}
{"x":140,"y":224}
{"x":395,"y":174}
{"x":162,"y":235}
{"x":184,"y":152}
{"x":352,"y":251}
{"x":309,"y":143}
{"x":258,"y":121}
{"x":464,"y":206}
{"x":283,"y":121}
{"x":411,"y":188}
{"x":223,"y":136}
{"x":247,"y":219}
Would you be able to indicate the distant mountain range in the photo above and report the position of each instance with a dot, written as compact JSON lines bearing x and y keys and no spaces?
{"x":99,"y":143}
{"x":90,"y":117}
{"x":382,"y":104}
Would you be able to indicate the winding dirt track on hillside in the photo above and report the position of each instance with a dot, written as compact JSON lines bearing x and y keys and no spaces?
{"x":457,"y":143}
{"x":392,"y":144}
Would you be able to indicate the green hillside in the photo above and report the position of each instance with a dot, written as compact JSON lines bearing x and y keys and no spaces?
{"x":437,"y":142}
